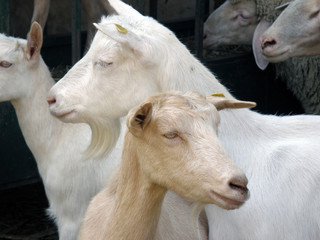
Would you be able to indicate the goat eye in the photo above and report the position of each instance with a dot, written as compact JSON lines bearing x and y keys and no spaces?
{"x":170,"y":135}
{"x":243,"y":16}
{"x":5,"y":64}
{"x":315,"y":14}
{"x":103,"y":63}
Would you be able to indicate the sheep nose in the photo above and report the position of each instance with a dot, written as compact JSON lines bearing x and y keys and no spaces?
{"x":51,"y":100}
{"x":268,"y":42}
{"x":239,"y":184}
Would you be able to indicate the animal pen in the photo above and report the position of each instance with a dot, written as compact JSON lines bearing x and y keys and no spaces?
{"x":22,"y":196}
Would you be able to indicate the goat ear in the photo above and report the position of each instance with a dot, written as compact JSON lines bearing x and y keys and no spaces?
{"x":138,"y":118}
{"x":34,"y":42}
{"x":261,"y":62}
{"x":120,"y":8}
{"x":127,"y":38}
{"x":223,"y":103}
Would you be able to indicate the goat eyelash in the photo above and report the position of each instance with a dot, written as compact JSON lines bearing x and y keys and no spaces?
{"x":103,"y":64}
{"x":243,"y":16}
{"x":315,"y":14}
{"x":171,"y":135}
{"x":5,"y":64}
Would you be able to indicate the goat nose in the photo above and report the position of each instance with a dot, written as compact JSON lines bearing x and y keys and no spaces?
{"x":268,"y":42}
{"x":239,"y":184}
{"x":51,"y":100}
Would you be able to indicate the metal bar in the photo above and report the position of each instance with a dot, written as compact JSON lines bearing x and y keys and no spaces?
{"x":153,"y":9}
{"x":198,"y":35}
{"x":76,"y":31}
{"x":141,"y":6}
{"x":4,"y":16}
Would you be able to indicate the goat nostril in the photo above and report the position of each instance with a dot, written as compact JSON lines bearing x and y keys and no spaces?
{"x":51,"y":100}
{"x":204,"y":36}
{"x":268,"y":43}
{"x":239,"y":185}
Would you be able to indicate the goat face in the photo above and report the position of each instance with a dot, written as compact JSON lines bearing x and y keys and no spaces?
{"x":19,"y":61}
{"x":178,"y":148}
{"x":294,"y":33}
{"x":230,"y":24}
{"x":116,"y":74}
{"x":14,"y":72}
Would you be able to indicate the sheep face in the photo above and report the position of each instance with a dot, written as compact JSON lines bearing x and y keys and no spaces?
{"x":18,"y":63}
{"x":175,"y":137}
{"x":119,"y":68}
{"x":231,"y":23}
{"x":294,"y":33}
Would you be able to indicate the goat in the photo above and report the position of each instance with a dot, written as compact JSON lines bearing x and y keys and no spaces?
{"x":162,"y":150}
{"x":138,"y":57}
{"x":294,"y":33}
{"x":69,"y":181}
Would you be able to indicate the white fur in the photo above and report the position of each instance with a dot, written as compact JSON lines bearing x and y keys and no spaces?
{"x":278,"y":154}
{"x":70,"y":181}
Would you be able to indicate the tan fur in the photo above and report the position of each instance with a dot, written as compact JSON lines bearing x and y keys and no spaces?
{"x":130,"y":205}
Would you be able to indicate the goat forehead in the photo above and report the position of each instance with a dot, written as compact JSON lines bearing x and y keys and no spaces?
{"x":142,"y":26}
{"x":9,"y":45}
{"x":186,"y":110}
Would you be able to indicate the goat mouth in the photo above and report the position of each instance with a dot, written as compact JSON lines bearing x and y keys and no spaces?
{"x":63,"y":116}
{"x":275,"y":55}
{"x":227,"y":202}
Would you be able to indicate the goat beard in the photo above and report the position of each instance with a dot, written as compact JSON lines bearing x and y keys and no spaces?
{"x":103,"y":138}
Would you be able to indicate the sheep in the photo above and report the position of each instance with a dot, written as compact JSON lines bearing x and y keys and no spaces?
{"x":300,"y":74}
{"x":162,"y":150}
{"x":69,"y":181}
{"x":138,"y":57}
{"x":294,"y":33}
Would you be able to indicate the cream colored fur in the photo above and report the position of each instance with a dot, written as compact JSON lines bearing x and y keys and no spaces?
{"x":162,"y":150}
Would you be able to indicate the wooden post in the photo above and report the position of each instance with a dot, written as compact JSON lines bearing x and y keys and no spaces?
{"x":4,"y":16}
{"x":76,"y":31}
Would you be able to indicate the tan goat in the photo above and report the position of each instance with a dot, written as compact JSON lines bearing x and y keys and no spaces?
{"x":171,"y":144}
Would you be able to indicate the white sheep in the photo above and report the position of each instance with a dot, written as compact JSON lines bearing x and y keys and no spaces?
{"x":241,"y":17}
{"x":279,"y":155}
{"x":163,"y":150}
{"x":69,"y":181}
{"x":294,"y":33}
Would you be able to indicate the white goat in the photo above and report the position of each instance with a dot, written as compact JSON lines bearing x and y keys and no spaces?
{"x":294,"y":33}
{"x":163,"y":150}
{"x":280,"y":155}
{"x":70,"y":181}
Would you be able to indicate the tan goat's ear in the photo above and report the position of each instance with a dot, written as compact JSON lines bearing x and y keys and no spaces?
{"x":34,"y":42}
{"x":223,"y":103}
{"x":138,"y":118}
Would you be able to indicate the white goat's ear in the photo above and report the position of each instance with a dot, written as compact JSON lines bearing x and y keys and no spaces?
{"x":34,"y":42}
{"x":261,"y":62}
{"x":223,"y":103}
{"x":138,"y":118}
{"x":120,"y":34}
{"x":121,"y":8}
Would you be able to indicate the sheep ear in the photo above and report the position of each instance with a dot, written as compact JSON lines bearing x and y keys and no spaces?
{"x":127,"y":38}
{"x":34,"y":42}
{"x":222,"y":103}
{"x":120,"y":8}
{"x":139,"y":118}
{"x":261,"y":62}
